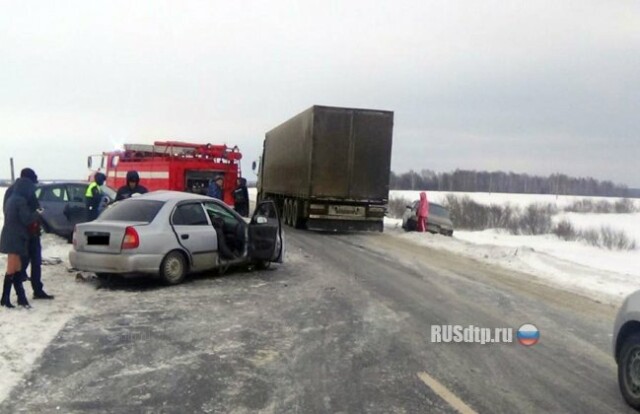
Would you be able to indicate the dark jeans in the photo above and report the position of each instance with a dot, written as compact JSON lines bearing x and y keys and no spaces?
{"x":35,"y":260}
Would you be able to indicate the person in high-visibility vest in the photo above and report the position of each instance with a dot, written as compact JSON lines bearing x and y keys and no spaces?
{"x":93,"y":196}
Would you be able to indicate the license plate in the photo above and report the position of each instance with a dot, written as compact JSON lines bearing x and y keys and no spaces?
{"x":97,"y":239}
{"x":346,"y":211}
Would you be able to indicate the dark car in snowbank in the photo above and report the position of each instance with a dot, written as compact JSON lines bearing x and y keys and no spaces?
{"x":438,"y":220}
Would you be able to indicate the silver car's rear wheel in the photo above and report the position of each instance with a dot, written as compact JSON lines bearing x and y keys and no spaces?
{"x":173,"y":268}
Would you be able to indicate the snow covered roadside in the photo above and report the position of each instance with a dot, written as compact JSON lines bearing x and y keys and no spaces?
{"x":603,"y":275}
{"x":520,"y":200}
{"x":24,"y":334}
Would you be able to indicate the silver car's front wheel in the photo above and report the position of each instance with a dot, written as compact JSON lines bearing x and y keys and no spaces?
{"x":173,"y":268}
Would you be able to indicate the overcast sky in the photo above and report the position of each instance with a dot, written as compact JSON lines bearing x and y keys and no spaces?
{"x":530,"y":86}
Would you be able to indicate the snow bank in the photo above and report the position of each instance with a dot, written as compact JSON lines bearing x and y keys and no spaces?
{"x":521,"y":200}
{"x":24,"y":334}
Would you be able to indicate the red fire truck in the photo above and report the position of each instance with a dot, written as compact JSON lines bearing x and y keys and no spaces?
{"x":172,"y":165}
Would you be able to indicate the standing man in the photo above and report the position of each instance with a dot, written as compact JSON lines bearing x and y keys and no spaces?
{"x":34,"y":247}
{"x":241,"y":198}
{"x":132,"y":187}
{"x":215,"y":187}
{"x":93,"y":196}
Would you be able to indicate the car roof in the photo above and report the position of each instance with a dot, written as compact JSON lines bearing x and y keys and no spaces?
{"x":165,"y":195}
{"x":66,"y":182}
{"x":61,"y":182}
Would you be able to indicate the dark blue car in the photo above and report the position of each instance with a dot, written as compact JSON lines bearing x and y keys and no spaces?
{"x":64,"y":205}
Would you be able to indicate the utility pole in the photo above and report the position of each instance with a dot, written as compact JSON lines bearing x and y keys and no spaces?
{"x":13,"y":174}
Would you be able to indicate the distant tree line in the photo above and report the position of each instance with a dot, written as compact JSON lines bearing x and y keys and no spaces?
{"x":507,"y":182}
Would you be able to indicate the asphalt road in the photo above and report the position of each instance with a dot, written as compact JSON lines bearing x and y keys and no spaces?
{"x":343,"y":327}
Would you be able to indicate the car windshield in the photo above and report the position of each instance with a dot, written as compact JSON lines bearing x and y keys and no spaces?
{"x":438,"y":210}
{"x":132,"y":210}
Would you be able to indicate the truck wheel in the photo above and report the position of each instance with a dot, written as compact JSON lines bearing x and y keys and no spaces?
{"x":173,"y":268}
{"x":290,"y":212}
{"x":295,"y":221}
{"x":285,"y":213}
{"x":262,"y":265}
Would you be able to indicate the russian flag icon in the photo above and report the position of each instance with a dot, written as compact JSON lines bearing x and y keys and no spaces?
{"x":528,"y":335}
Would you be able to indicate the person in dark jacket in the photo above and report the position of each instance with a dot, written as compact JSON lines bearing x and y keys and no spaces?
{"x":14,"y":238}
{"x":93,"y":196}
{"x":241,"y":198}
{"x":132,"y":187}
{"x":34,"y":258}
{"x":215,"y":187}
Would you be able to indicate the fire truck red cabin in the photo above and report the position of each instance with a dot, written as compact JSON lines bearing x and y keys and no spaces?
{"x":171,"y":165}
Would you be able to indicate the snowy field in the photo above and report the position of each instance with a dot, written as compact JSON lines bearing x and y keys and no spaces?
{"x":24,"y":334}
{"x":601,"y":274}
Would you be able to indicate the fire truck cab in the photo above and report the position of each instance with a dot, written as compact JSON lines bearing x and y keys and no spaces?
{"x":172,"y":165}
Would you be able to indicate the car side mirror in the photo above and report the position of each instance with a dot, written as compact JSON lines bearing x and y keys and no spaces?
{"x":261,"y":220}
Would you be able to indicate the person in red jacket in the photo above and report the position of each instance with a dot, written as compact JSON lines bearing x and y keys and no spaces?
{"x":422,"y":213}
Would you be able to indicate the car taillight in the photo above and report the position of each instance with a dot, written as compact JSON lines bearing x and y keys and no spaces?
{"x":131,"y":239}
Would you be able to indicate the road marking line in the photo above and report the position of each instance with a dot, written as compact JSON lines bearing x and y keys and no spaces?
{"x":445,"y":394}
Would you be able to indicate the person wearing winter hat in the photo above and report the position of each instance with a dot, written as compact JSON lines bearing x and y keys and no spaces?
{"x":131,"y":187}
{"x":34,"y":248}
{"x":14,"y":238}
{"x":215,"y":187}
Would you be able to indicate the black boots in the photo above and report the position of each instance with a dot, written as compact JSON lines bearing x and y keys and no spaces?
{"x":6,"y":291}
{"x":18,"y":278}
{"x":42,"y":295}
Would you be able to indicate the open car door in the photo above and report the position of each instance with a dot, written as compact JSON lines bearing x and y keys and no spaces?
{"x":266,"y":241}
